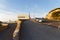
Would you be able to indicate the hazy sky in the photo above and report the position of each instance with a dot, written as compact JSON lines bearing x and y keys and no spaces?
{"x":9,"y":9}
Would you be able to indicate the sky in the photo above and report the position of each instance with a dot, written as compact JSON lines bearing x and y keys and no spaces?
{"x":9,"y":9}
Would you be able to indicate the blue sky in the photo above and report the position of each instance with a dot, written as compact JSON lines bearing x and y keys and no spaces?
{"x":37,"y":8}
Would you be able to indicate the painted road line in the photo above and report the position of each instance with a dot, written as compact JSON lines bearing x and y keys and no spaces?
{"x":15,"y":34}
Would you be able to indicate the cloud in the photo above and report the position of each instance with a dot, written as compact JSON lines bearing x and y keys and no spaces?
{"x":7,"y":15}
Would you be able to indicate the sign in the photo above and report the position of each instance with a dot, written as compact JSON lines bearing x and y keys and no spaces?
{"x":23,"y":16}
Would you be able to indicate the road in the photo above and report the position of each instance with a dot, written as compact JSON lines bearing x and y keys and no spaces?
{"x":32,"y":31}
{"x":36,"y":31}
{"x":8,"y":33}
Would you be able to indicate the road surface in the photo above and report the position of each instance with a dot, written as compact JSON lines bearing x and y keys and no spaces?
{"x":32,"y":31}
{"x":8,"y":33}
{"x":36,"y":31}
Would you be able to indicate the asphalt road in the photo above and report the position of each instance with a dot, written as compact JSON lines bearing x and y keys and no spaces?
{"x":8,"y":33}
{"x":32,"y":31}
{"x":36,"y":31}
